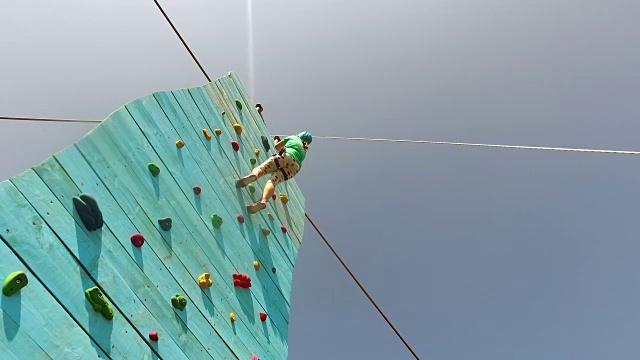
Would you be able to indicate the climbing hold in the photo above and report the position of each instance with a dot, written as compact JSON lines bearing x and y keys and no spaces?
{"x":99,"y":303}
{"x":263,"y":316}
{"x":155,"y":170}
{"x":240,"y":218}
{"x":90,"y":214}
{"x":256,"y":151}
{"x":218,"y":132}
{"x":197,"y":190}
{"x":273,"y":197}
{"x":241,"y":280}
{"x":256,"y":265}
{"x":273,"y":270}
{"x":165,"y":223}
{"x":284,"y":198}
{"x":270,"y":216}
{"x":265,"y":232}
{"x":232,"y":316}
{"x":179,"y":302}
{"x":137,"y":240}
{"x":216,"y":220}
{"x":265,"y":143}
{"x":283,"y":228}
{"x":252,"y":161}
{"x":239,"y":104}
{"x":254,"y":358}
{"x":204,"y":281}
{"x":153,"y":335}
{"x":14,"y":282}
{"x":223,"y":113}
{"x":235,"y":145}
{"x":238,"y":128}
{"x":207,"y":134}
{"x":251,"y":188}
{"x":179,"y":144}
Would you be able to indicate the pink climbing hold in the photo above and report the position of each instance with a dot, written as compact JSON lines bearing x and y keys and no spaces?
{"x":255,"y":358}
{"x":283,"y":228}
{"x":197,"y":190}
{"x":137,"y":240}
{"x":153,"y":335}
{"x":240,"y":219}
{"x":235,"y":145}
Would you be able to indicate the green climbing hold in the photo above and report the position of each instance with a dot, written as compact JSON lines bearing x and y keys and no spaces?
{"x":253,"y":161}
{"x":179,"y":302}
{"x":14,"y":282}
{"x":155,"y":170}
{"x":251,"y":188}
{"x":239,"y":104}
{"x":216,"y":220}
{"x":95,"y":298}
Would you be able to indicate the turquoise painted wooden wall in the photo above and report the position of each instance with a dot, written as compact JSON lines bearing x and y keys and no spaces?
{"x":43,"y":235}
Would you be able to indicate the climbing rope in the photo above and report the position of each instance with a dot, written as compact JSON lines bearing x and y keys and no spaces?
{"x":181,"y":39}
{"x":47,"y":119}
{"x":600,"y":151}
{"x":361,"y":287}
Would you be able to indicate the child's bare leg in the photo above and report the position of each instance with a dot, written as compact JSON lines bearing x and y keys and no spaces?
{"x":266,"y":167}
{"x":269,"y":190}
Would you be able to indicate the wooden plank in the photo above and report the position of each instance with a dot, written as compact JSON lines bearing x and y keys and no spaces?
{"x":141,"y":183}
{"x":137,"y":216}
{"x":172,"y":323}
{"x":179,"y":181}
{"x":101,"y":254}
{"x":40,"y":247}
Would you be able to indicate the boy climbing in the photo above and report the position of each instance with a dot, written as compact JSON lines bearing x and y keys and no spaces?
{"x":283,"y":166}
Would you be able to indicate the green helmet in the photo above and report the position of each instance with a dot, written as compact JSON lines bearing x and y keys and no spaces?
{"x":306,"y":136}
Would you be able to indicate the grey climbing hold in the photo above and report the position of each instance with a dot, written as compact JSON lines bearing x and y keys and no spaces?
{"x":265,"y":143}
{"x":273,"y":270}
{"x":90,"y":214}
{"x":165,"y":223}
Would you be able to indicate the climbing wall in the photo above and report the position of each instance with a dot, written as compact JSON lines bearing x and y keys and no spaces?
{"x":113,"y":234}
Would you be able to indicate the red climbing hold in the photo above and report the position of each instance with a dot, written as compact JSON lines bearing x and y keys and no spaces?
{"x":153,"y":336}
{"x":235,"y":145}
{"x":283,"y":228}
{"x":263,"y":316}
{"x":241,"y":280}
{"x":197,"y":190}
{"x":255,"y":358}
{"x":240,"y":219}
{"x":137,"y":240}
{"x":273,"y":196}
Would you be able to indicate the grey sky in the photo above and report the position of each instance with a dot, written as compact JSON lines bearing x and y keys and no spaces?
{"x":473,"y":253}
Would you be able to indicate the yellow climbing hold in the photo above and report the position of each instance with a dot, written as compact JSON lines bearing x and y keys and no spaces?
{"x":284,"y":198}
{"x":232,"y":316}
{"x":256,"y":265}
{"x":265,"y":232}
{"x":204,"y":281}
{"x":238,"y":128}
{"x":207,"y":134}
{"x":218,"y":132}
{"x":179,"y":144}
{"x":256,"y":151}
{"x":270,"y":216}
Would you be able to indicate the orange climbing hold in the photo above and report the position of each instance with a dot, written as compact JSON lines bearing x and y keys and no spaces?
{"x":270,"y":216}
{"x":238,"y":128}
{"x":218,"y":132}
{"x":232,"y":316}
{"x":207,"y":134}
{"x":265,"y":232}
{"x":284,"y":198}
{"x":180,"y":144}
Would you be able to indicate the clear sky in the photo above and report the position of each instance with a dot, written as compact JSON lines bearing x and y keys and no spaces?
{"x":474,"y":253}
